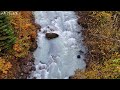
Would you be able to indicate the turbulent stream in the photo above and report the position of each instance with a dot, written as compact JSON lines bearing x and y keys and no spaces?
{"x":58,"y":58}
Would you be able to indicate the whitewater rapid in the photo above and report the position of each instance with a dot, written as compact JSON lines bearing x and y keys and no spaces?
{"x":57,"y":58}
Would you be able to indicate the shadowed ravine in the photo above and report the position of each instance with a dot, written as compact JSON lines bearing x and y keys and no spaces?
{"x":57,"y":58}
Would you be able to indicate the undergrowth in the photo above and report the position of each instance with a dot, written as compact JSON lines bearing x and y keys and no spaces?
{"x":25,"y":31}
{"x":102,"y":38}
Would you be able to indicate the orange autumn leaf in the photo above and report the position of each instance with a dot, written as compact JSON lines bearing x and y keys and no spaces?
{"x":27,"y":26}
{"x":4,"y":66}
{"x":33,"y":34}
{"x":17,"y":47}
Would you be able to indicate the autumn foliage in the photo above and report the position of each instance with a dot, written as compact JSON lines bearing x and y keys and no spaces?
{"x":4,"y":66}
{"x":102,"y":38}
{"x":25,"y":31}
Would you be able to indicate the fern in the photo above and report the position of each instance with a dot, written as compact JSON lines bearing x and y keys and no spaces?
{"x":7,"y":37}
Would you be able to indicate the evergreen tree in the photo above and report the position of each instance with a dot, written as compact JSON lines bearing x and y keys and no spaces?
{"x":7,"y":37}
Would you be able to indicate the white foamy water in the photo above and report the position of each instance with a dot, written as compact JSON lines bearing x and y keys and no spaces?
{"x":57,"y":58}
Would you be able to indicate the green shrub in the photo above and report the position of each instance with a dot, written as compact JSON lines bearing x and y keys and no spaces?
{"x":7,"y":37}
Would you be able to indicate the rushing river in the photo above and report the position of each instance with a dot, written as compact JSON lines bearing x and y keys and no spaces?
{"x":58,"y":58}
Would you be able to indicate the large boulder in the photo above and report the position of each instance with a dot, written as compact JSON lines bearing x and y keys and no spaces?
{"x":51,"y":35}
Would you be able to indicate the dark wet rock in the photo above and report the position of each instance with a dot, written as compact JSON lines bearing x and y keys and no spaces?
{"x":45,"y":31}
{"x":86,"y":61}
{"x":22,"y":59}
{"x":33,"y":59}
{"x":52,"y":29}
{"x":34,"y":78}
{"x":25,"y":76}
{"x":71,"y":77}
{"x":33,"y":68}
{"x":78,"y":21}
{"x":40,"y":68}
{"x":33,"y":47}
{"x":81,"y":52}
{"x":28,"y":76}
{"x":86,"y":66}
{"x":26,"y":69}
{"x":84,"y":25}
{"x":42,"y":62}
{"x":51,"y":35}
{"x":78,"y":56}
{"x":78,"y":32}
{"x":29,"y":64}
{"x":38,"y":27}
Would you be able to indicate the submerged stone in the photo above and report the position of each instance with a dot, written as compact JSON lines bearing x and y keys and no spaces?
{"x":78,"y":56}
{"x":81,"y":52}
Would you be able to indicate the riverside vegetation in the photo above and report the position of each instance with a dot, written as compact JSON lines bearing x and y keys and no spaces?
{"x":102,"y":38}
{"x":17,"y":39}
